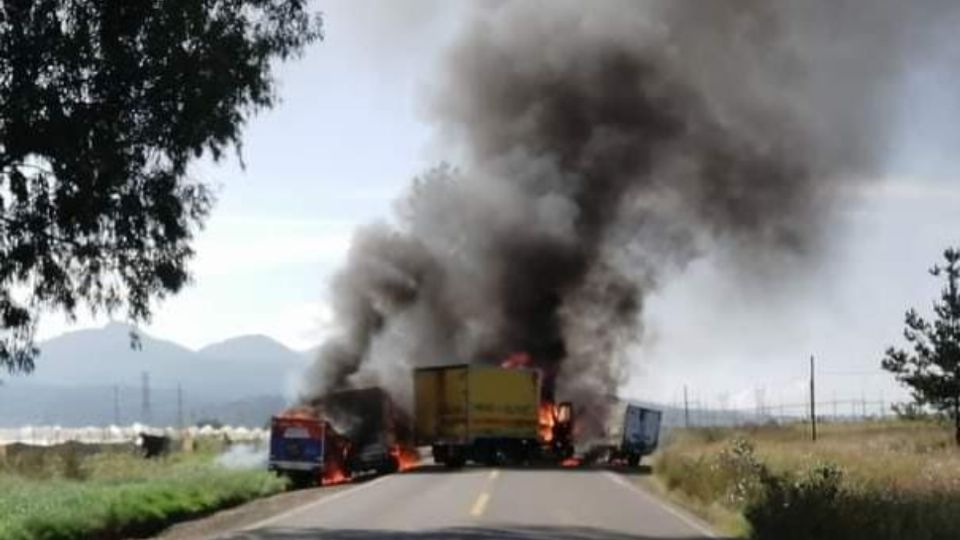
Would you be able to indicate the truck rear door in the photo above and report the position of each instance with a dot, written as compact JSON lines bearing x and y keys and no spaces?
{"x":296,"y":445}
{"x":440,"y":404}
{"x":503,"y":403}
{"x":641,"y":429}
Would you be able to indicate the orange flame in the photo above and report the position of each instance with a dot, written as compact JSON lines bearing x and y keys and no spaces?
{"x":335,"y":471}
{"x":548,"y":417}
{"x":407,"y":458}
{"x":334,"y":474}
{"x":518,"y":359}
{"x":299,"y":413}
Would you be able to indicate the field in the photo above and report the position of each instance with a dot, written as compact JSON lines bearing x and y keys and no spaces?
{"x":74,"y":491}
{"x":872,"y":480}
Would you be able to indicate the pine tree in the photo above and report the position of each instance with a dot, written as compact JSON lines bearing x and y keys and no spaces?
{"x":932,"y":368}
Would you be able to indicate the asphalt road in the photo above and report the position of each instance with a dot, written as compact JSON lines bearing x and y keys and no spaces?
{"x":484,"y":504}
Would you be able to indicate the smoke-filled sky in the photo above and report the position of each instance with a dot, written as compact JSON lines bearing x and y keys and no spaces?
{"x":848,"y":115}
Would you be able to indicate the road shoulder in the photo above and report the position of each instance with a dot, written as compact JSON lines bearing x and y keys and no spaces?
{"x":718,"y":521}
{"x":248,"y":514}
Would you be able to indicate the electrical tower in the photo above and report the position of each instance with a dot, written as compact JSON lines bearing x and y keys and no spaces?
{"x":116,"y":405}
{"x":179,"y":406}
{"x":145,"y":413}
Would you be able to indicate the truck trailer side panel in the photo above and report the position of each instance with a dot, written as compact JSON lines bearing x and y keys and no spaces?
{"x":503,"y":403}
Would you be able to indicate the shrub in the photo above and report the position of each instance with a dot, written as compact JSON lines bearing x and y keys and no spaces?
{"x":792,"y":509}
{"x":882,"y":481}
{"x":742,"y":472}
{"x":821,"y":505}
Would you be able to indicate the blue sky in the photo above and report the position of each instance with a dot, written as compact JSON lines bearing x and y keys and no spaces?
{"x":350,"y":133}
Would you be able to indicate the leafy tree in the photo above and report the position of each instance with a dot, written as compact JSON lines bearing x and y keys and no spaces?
{"x":932,"y":370}
{"x":103,"y":104}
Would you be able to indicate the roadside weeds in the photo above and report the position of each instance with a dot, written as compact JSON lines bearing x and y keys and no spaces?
{"x":877,"y":481}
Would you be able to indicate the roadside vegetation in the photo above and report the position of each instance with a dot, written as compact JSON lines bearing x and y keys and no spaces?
{"x":72,"y":492}
{"x":872,"y":480}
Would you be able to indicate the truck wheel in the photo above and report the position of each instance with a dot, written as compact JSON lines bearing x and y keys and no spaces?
{"x":390,"y":466}
{"x":441,"y":454}
{"x":300,"y":480}
{"x":633,"y":460}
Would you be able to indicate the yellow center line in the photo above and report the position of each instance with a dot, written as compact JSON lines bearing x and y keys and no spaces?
{"x":480,"y":505}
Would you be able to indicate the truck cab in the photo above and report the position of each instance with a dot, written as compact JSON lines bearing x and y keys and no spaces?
{"x":380,"y":433}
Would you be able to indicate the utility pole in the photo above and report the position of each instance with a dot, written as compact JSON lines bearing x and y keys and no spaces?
{"x":686,"y":408}
{"x":760,"y":399}
{"x":116,"y":405}
{"x":179,"y":407}
{"x":813,"y":401}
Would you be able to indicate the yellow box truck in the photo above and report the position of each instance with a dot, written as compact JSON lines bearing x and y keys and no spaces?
{"x":478,"y":413}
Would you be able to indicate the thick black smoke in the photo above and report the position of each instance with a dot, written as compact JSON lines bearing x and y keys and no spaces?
{"x":602,"y":146}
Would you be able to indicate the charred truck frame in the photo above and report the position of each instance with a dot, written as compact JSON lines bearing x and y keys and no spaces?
{"x":340,"y":435}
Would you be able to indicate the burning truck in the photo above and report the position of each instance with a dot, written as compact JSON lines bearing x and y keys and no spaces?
{"x":336,"y":437}
{"x":632,"y":432}
{"x":490,"y":415}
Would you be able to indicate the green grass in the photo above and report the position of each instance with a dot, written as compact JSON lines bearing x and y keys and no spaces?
{"x":117,"y":494}
{"x":876,"y":480}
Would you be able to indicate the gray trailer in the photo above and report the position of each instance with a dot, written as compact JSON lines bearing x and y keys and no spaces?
{"x":641,"y":433}
{"x":631,"y":432}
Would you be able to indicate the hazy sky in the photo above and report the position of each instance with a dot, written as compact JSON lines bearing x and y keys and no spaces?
{"x":349,"y":135}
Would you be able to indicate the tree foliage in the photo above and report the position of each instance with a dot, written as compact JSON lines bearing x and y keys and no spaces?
{"x":103,"y":104}
{"x":932,"y":368}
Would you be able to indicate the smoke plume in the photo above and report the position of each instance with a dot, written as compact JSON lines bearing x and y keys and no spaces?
{"x":600,"y":147}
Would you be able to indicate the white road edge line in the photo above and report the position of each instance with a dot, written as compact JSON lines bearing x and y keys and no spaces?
{"x":319,"y":502}
{"x":662,"y":504}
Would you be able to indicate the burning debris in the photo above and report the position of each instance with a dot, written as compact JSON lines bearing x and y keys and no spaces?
{"x":341,"y":435}
{"x":602,"y":149}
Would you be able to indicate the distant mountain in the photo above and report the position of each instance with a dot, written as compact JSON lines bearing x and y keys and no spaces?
{"x":105,"y":356}
{"x":255,"y":350}
{"x":76,"y":373}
